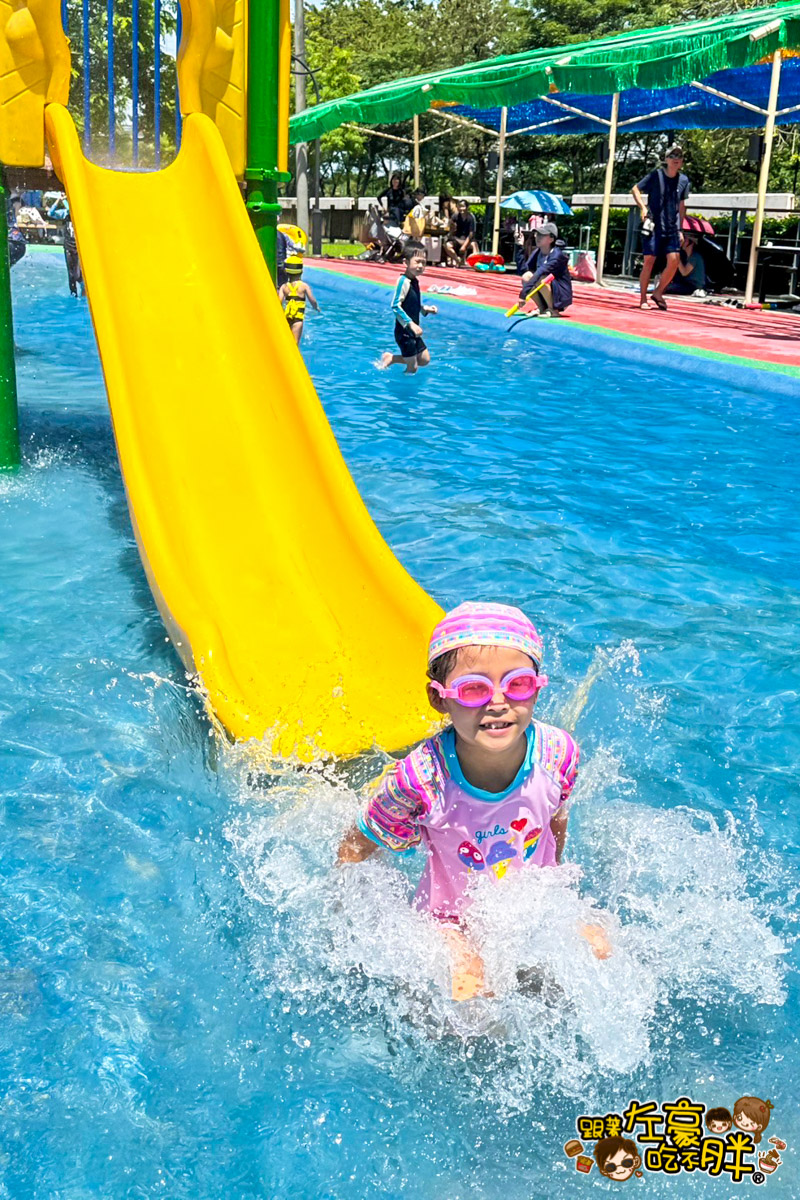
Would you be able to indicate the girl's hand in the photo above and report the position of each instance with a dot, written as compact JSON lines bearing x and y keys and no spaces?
{"x":431,"y":310}
{"x":355,"y":847}
{"x":415,"y":329}
{"x":597,"y":938}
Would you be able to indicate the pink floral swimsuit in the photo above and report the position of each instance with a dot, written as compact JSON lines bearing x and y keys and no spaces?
{"x":425,"y":798}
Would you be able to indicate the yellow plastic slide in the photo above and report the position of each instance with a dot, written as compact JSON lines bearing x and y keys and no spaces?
{"x":273,"y":581}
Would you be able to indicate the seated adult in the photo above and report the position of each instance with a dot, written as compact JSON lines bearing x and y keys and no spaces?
{"x":462,"y":242}
{"x":547,"y":259}
{"x":417,"y":217}
{"x":445,"y":218}
{"x":30,"y":217}
{"x":59,"y":209}
{"x":690,"y":277}
{"x":394,"y":200}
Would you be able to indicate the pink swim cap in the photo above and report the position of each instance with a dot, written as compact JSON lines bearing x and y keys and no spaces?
{"x":486,"y":625}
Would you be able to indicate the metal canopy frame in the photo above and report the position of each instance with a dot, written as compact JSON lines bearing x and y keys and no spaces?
{"x":613,"y":125}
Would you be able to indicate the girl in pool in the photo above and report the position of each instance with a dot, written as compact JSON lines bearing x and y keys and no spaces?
{"x":751,"y":1115}
{"x":488,"y":794}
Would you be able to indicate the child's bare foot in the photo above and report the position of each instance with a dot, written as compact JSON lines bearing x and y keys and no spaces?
{"x":598,"y":940}
{"x":385,"y":360}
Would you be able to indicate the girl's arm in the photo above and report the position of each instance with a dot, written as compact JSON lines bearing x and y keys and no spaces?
{"x":400,"y":314}
{"x":391,"y":817}
{"x":558,"y":825}
{"x":355,"y":846}
{"x":312,"y":299}
{"x":282,"y":293}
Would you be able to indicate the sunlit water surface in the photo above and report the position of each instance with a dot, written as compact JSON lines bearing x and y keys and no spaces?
{"x":195,"y":1002}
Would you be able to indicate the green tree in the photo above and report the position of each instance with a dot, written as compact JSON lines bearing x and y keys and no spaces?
{"x":390,"y":39}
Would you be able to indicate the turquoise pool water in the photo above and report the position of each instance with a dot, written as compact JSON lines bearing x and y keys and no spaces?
{"x":194,"y":1002}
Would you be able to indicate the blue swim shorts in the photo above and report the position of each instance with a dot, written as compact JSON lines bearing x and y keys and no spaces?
{"x":660,"y":242}
{"x":410,"y":345}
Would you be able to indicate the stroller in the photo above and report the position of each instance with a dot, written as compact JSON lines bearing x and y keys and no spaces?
{"x":383,"y":242}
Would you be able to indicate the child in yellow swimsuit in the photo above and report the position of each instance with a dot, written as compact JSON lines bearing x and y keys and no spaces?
{"x":293,"y":296}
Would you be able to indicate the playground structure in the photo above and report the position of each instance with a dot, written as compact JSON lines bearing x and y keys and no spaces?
{"x":274,"y":584}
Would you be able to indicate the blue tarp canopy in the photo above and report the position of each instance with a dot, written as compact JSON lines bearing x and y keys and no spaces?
{"x":645,"y":111}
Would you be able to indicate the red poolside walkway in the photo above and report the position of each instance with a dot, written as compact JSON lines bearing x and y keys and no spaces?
{"x":756,"y":336}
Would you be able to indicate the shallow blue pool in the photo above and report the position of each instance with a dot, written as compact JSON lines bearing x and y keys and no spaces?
{"x":194,"y":1002}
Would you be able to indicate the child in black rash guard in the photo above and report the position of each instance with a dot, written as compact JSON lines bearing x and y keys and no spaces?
{"x":408,"y":308}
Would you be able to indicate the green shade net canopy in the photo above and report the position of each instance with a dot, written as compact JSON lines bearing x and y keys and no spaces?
{"x":645,"y":58}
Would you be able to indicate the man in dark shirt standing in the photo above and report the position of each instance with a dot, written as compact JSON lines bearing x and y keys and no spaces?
{"x":663,"y":208}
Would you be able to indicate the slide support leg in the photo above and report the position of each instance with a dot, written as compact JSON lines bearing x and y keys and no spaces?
{"x":9,"y":427}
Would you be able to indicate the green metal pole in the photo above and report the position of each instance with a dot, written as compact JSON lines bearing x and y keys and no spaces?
{"x":263,"y":84}
{"x":9,"y":428}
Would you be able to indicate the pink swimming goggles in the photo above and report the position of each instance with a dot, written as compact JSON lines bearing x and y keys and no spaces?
{"x":472,"y":691}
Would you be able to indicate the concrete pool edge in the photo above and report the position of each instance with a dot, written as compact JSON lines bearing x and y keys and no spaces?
{"x":723,"y":368}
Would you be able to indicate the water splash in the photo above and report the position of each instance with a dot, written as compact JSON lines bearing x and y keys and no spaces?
{"x":346,"y":942}
{"x":16,"y":486}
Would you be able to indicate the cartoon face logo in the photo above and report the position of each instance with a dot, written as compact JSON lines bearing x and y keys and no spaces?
{"x":471,"y":857}
{"x":499,"y":857}
{"x":718,"y":1120}
{"x":746,"y":1123}
{"x":751,"y":1115}
{"x":617,"y":1157}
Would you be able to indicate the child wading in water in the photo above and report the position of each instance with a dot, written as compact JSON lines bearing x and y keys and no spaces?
{"x":293,"y":296}
{"x":407,"y":307}
{"x":487,"y":795}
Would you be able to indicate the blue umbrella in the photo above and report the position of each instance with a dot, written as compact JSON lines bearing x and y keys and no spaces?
{"x":541,"y":202}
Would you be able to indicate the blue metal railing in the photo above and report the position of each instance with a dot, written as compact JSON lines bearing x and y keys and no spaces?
{"x":112,"y":108}
{"x":87,"y":83}
{"x":157,"y":80}
{"x":124,"y":79}
{"x":135,"y":81}
{"x":179,"y":33}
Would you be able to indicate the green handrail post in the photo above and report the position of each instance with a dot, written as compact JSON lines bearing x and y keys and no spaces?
{"x":9,"y":424}
{"x":263,"y":88}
